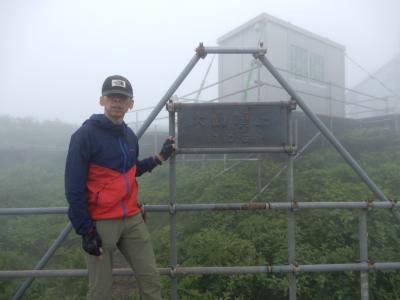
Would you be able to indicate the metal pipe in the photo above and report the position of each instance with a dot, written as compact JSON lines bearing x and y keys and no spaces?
{"x":325,"y":131}
{"x":259,"y":174}
{"x":172,"y":203}
{"x":274,"y":206}
{"x":213,"y":270}
{"x":218,"y":82}
{"x":180,"y":105}
{"x":239,"y":161}
{"x":333,"y":267}
{"x":285,"y":166}
{"x":168,"y":94}
{"x":226,"y":206}
{"x":363,"y":235}
{"x":291,"y":215}
{"x":259,"y":165}
{"x":219,"y":98}
{"x":43,"y":261}
{"x":277,"y":149}
{"x":33,"y":211}
{"x":232,"y":50}
{"x":324,"y":97}
{"x":204,"y":79}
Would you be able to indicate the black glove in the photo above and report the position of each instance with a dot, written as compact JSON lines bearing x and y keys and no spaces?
{"x":91,"y":242}
{"x":167,"y":148}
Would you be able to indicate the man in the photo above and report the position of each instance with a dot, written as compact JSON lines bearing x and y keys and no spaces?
{"x":101,"y":188}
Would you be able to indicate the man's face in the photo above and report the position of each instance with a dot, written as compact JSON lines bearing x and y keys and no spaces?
{"x":116,"y":105}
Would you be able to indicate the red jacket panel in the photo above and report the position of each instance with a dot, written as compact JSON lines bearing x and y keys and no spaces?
{"x":111,"y":194}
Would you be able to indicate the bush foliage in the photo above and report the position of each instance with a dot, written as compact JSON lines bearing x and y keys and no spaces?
{"x":213,"y":238}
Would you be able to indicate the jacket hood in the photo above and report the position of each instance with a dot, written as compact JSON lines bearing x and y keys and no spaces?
{"x":101,"y":121}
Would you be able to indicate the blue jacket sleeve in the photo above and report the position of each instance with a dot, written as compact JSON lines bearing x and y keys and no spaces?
{"x":145,"y":165}
{"x":76,"y":172}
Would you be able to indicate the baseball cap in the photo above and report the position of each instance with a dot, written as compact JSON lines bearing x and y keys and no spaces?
{"x":117,"y":84}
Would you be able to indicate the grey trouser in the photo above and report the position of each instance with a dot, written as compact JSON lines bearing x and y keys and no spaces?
{"x":132,"y":238}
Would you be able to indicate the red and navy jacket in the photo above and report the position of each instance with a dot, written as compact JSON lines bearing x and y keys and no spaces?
{"x":100,"y":174}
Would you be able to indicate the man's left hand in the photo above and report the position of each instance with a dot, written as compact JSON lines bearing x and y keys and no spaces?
{"x":167,"y":148}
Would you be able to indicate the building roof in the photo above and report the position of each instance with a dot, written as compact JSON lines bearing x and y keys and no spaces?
{"x":264,"y":17}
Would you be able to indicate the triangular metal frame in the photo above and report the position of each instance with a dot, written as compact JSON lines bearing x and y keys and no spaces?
{"x":259,"y":53}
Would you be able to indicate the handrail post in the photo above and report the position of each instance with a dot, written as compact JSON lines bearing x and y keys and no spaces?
{"x":172,"y":202}
{"x":291,"y":213}
{"x":363,"y":239}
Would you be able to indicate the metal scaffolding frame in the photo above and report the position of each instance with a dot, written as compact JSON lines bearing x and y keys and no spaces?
{"x":364,"y":266}
{"x":291,"y":205}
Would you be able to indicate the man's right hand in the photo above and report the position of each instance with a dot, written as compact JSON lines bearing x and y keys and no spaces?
{"x":91,"y":243}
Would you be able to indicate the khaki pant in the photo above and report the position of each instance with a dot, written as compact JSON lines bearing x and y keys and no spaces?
{"x":132,"y":238}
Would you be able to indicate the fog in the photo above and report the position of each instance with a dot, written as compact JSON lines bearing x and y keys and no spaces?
{"x":54,"y":55}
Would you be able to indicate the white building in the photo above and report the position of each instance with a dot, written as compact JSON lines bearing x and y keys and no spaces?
{"x":378,"y":94}
{"x":313,"y":65}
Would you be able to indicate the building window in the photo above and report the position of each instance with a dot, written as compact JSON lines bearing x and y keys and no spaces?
{"x":299,"y":61}
{"x":305,"y":64}
{"x":316,"y":67}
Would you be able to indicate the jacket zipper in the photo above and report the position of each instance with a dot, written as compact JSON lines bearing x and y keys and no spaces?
{"x":124,"y":167}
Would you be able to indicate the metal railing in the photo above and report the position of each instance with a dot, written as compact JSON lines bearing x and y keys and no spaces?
{"x":292,"y":268}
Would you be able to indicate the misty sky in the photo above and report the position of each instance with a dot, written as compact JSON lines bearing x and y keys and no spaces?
{"x":54,"y":55}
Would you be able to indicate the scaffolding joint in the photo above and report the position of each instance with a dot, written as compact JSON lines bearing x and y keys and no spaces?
{"x":393,"y":202}
{"x":290,"y":149}
{"x":172,"y":208}
{"x":292,"y":104}
{"x":252,"y":205}
{"x":259,"y":53}
{"x":371,"y":265}
{"x":269,"y":268}
{"x":172,"y":271}
{"x":295,"y":268}
{"x":170,"y":106}
{"x":370,"y":204}
{"x":294,"y":205}
{"x":201,"y":51}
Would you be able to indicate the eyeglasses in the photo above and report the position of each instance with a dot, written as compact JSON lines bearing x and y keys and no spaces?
{"x":118,"y":97}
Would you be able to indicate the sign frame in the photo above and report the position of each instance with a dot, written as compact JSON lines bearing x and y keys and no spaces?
{"x":230,"y":127}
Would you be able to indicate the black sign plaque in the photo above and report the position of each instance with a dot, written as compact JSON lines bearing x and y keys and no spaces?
{"x":232,"y":125}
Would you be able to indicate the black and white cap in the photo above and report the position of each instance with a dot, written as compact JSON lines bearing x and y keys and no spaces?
{"x":117,"y":84}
